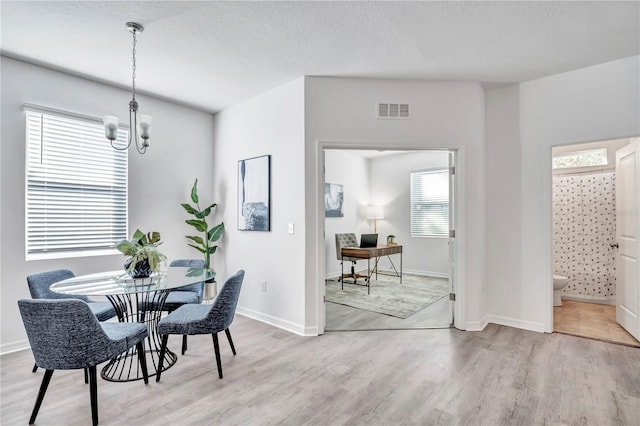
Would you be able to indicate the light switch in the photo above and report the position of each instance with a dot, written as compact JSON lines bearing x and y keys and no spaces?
{"x":292,"y":229}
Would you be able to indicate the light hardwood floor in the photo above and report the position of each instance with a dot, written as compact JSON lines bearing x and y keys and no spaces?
{"x":591,"y":320}
{"x":500,"y":376}
{"x":341,"y":317}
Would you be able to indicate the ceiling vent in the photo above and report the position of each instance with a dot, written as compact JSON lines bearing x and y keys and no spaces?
{"x":393,"y":111}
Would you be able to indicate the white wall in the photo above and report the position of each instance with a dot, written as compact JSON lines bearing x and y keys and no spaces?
{"x":594,"y":103}
{"x":180,"y":151}
{"x":504,"y":226}
{"x":391,"y":188}
{"x":351,"y":171}
{"x":340,"y":112}
{"x":272,"y":124}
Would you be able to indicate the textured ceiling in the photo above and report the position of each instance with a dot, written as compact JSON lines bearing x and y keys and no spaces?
{"x":216,"y":54}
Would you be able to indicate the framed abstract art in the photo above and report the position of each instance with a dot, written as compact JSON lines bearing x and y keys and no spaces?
{"x":254,"y":194}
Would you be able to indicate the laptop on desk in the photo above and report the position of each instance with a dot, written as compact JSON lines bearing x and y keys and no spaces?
{"x":368,"y":240}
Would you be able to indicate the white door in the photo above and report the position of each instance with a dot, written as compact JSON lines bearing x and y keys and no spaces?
{"x":628,"y":238}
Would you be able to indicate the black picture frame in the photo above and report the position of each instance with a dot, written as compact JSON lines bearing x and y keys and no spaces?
{"x":254,"y":194}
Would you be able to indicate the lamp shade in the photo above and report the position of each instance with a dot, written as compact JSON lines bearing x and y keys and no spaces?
{"x":375,"y":212}
{"x":111,"y":127}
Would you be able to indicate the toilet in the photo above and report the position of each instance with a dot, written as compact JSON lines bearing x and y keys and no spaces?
{"x":559,"y":282}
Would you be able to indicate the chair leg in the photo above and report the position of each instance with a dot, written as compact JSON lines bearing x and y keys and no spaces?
{"x":93,"y":394}
{"x":184,"y":343}
{"x":228,"y":333}
{"x":43,"y":389}
{"x":143,"y":361}
{"x":216,"y":348}
{"x":35,"y":368}
{"x":163,"y":350}
{"x":86,"y":376}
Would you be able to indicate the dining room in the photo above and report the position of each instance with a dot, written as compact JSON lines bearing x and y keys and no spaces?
{"x":239,"y":104}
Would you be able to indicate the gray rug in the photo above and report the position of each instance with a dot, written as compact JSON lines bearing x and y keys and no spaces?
{"x":388,"y":296}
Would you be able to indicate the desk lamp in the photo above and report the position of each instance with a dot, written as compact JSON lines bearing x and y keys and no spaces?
{"x":375,"y":213}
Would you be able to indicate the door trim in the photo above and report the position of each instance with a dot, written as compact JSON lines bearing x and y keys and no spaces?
{"x":458,"y":284}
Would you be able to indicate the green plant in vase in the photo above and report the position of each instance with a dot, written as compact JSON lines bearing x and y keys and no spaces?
{"x":205,"y":243}
{"x":143,"y":254}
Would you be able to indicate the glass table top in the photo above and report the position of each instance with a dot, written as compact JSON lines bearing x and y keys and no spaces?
{"x":119,"y":282}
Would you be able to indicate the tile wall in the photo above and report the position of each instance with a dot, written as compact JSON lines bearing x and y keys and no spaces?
{"x":583,"y":229}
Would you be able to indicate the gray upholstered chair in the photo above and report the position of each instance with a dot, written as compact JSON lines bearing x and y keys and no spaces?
{"x":188,"y":294}
{"x":347,"y":240}
{"x":204,"y":319}
{"x":39,"y":288}
{"x":65,"y":335}
{"x":185,"y":295}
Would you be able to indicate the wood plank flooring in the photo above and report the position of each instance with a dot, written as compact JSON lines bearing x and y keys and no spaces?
{"x":347,"y":318}
{"x":341,"y":317}
{"x":500,"y":376}
{"x":592,"y":320}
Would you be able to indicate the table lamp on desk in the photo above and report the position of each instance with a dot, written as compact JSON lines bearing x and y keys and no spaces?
{"x":375,"y":213}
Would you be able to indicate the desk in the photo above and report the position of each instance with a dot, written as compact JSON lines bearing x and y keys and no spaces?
{"x":135,"y":300}
{"x":369,"y":253}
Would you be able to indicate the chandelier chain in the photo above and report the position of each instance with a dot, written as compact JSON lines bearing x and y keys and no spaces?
{"x":133,"y":85}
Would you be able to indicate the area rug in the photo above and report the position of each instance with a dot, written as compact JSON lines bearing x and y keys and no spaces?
{"x":388,"y":296}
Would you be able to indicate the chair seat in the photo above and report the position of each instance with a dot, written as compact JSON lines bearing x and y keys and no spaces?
{"x":102,"y":310}
{"x":186,"y":320}
{"x":181,"y":298}
{"x":124,"y":334}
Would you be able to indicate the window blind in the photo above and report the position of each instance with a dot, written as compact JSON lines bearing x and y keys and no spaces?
{"x":76,"y":198}
{"x":430,"y":204}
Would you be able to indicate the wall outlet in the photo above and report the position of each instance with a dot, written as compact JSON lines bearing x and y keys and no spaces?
{"x":263,"y":285}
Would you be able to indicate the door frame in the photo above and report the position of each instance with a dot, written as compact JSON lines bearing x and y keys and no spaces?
{"x":548,"y":220}
{"x":458,"y":242}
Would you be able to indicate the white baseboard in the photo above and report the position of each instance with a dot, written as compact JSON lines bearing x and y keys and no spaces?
{"x":332,"y":276}
{"x":516,"y":323}
{"x":20,"y":345}
{"x":277,"y":322}
{"x":590,"y":299}
{"x":476,"y":325}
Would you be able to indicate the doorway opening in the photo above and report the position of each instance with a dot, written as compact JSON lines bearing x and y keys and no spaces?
{"x":589,"y":283}
{"x":406,"y":199}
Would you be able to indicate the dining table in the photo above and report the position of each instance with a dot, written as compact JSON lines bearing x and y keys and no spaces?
{"x":135,"y":300}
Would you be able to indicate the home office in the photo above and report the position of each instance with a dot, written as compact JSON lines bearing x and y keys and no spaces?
{"x":380,"y":271}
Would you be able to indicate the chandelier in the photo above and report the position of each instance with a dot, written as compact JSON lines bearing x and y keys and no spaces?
{"x":139,"y":124}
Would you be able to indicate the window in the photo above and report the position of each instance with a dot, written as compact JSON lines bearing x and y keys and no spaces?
{"x":430,"y":204}
{"x":76,"y":197}
{"x":594,"y":157}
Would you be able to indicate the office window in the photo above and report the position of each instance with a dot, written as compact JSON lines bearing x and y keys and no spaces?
{"x":593,"y":157}
{"x":76,"y":196}
{"x":430,"y":204}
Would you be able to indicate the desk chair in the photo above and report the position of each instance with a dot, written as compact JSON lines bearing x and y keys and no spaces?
{"x":348,"y":240}
{"x":64,"y":334}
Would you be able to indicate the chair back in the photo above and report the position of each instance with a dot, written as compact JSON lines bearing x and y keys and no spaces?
{"x":64,"y":334}
{"x":39,"y":285}
{"x":223,"y":309}
{"x":345,"y":240}
{"x":191,"y":263}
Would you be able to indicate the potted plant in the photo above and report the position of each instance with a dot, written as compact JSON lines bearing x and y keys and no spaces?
{"x":205,"y":243}
{"x":143,"y":255}
{"x":391,"y":240}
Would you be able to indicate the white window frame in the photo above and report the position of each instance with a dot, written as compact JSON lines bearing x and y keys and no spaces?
{"x":76,"y":186}
{"x":425,"y":233}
